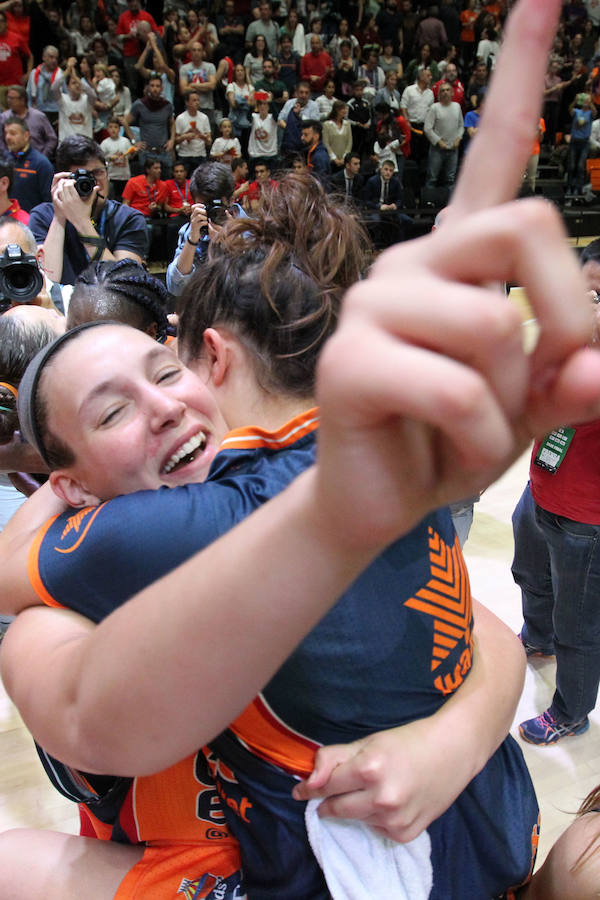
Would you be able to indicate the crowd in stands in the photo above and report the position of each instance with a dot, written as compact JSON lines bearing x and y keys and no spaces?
{"x":247,"y":144}
{"x":319,"y":85}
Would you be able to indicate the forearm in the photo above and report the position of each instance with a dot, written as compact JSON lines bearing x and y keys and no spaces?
{"x":478,"y":716}
{"x":158,"y":721}
{"x":185,"y":260}
{"x":53,"y":248}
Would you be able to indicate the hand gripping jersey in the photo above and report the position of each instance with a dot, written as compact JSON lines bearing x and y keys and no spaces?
{"x":391,"y":650}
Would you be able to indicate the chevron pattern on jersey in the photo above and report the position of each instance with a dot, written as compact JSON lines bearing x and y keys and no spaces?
{"x":447,"y":597}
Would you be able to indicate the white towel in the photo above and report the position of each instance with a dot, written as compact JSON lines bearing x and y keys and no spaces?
{"x":361,"y":864}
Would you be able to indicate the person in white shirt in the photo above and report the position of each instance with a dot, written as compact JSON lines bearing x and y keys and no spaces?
{"x":75,"y":107}
{"x":325,"y":101}
{"x":192,"y":133}
{"x":263,"y":134}
{"x":117,"y":150}
{"x":415,"y":102}
{"x":227,"y":147}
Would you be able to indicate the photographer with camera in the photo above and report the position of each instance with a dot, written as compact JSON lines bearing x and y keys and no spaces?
{"x":211,"y":187}
{"x":82,"y":225}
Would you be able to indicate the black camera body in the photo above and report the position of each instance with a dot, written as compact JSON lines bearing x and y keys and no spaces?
{"x":85,"y":182}
{"x":20,"y":277}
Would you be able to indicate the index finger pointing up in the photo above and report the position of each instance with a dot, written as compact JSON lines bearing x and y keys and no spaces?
{"x":494,"y":166}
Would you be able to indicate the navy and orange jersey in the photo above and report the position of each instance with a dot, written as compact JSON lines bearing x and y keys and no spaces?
{"x":390,"y":651}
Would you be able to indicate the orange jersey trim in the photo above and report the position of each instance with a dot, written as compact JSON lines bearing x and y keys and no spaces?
{"x":271,"y":739}
{"x":292,"y":431}
{"x":33,"y":568}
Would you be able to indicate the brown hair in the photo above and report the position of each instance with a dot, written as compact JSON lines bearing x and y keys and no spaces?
{"x":277,"y":281}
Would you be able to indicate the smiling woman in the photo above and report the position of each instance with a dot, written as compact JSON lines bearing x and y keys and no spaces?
{"x":153,"y":417}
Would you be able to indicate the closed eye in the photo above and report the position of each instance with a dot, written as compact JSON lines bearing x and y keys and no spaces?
{"x":167,"y":374}
{"x":110,"y":416}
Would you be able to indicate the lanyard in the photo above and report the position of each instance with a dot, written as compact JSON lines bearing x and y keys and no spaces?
{"x":185,"y":195}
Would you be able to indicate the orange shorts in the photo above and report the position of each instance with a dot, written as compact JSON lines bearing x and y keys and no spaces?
{"x":182,"y":872}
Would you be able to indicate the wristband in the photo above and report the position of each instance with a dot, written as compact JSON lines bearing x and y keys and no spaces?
{"x":193,"y":243}
{"x":93,"y":239}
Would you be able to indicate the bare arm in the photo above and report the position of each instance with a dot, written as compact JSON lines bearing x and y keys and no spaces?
{"x":393,"y":777}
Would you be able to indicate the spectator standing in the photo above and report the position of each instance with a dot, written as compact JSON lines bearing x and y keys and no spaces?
{"x":431,"y":31}
{"x":127,"y":28}
{"x":153,"y":58}
{"x":553,"y":88}
{"x":117,"y":150}
{"x":468,"y":17}
{"x":255,"y":58}
{"x":288,"y":65}
{"x":266,"y":26}
{"x":16,"y":60}
{"x":317,"y":66}
{"x":534,"y":159}
{"x":41,"y":133}
{"x":230,"y":28}
{"x":199,"y":76}
{"x":388,"y":94}
{"x":192,"y":133}
{"x":388,"y":61}
{"x":297,"y":110}
{"x":359,"y":114}
{"x":123,"y":105}
{"x":317,"y":157}
{"x":294,"y":29}
{"x":337,"y":135}
{"x":40,"y":82}
{"x":444,"y":128}
{"x":262,"y":143}
{"x":154,"y":117}
{"x":389,"y":23}
{"x":240,"y":97}
{"x":335,"y":44}
{"x":416,"y":100}
{"x":76,"y":106}
{"x":326,"y":100}
{"x":226,"y":148}
{"x":345,"y":72}
{"x":277,"y":90}
{"x":451,"y":78}
{"x":75,"y":231}
{"x":32,"y":171}
{"x":488,"y":47}
{"x":372,"y":73}
{"x":582,"y":110}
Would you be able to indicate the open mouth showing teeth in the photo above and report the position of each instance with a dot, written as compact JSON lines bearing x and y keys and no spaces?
{"x":185,"y":454}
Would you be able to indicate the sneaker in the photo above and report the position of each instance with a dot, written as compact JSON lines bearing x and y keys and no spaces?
{"x":530,"y":650}
{"x":546,"y":729}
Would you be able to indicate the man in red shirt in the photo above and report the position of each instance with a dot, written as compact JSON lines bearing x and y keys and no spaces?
{"x":16,"y":60}
{"x":147,"y":192}
{"x":178,"y":205}
{"x":127,"y":29}
{"x":317,"y":66}
{"x":458,"y":88}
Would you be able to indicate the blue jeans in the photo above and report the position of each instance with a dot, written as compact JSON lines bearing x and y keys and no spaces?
{"x":578,"y":154}
{"x":557,"y":567}
{"x":441,"y":163}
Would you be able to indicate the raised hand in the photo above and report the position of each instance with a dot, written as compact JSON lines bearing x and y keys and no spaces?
{"x":425,"y":385}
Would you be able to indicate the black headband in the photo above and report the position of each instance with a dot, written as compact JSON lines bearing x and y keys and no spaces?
{"x":26,"y":400}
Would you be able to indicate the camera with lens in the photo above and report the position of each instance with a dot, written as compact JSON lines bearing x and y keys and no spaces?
{"x":20,"y":277}
{"x":85,"y":183}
